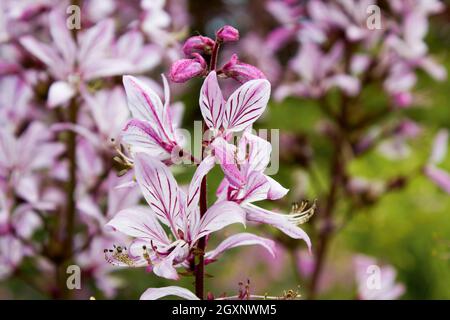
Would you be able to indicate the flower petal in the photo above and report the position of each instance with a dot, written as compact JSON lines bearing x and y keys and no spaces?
{"x":256,"y":150}
{"x":246,"y":105}
{"x":60,"y":92}
{"x":240,"y":239}
{"x":145,"y":104}
{"x":156,"y":293}
{"x":61,"y":36}
{"x":139,"y":222}
{"x":277,"y":220}
{"x":211,"y":101}
{"x":276,"y":190}
{"x":218,"y":216}
{"x":141,"y":136}
{"x":439,"y":177}
{"x":159,"y":188}
{"x":225,"y":153}
{"x":95,"y":41}
{"x":194,"y":188}
{"x":440,"y":146}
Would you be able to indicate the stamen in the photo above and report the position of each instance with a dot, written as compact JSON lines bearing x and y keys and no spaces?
{"x":299,"y":214}
{"x":118,"y":256}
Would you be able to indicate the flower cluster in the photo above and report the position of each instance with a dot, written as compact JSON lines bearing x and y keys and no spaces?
{"x":61,"y":116}
{"x":344,"y":43}
{"x":151,"y":137}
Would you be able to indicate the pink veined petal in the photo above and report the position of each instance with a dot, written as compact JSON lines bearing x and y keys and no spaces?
{"x":439,"y":177}
{"x":156,"y":293}
{"x":211,"y":101}
{"x":276,"y":190}
{"x":95,"y":41}
{"x":258,"y":150}
{"x":159,"y":188}
{"x":240,"y":239}
{"x":61,"y":36}
{"x":279,"y":221}
{"x":194,"y":187}
{"x":246,"y":105}
{"x":142,"y":137}
{"x":225,"y":153}
{"x":440,"y":146}
{"x":165,"y":267}
{"x":256,"y":187}
{"x":145,"y":104}
{"x":139,"y":222}
{"x":59,"y":93}
{"x":218,"y":216}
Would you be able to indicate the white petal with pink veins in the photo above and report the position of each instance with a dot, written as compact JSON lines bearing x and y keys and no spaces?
{"x":246,"y":105}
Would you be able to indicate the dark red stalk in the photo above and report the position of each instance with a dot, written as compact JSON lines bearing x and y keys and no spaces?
{"x":200,"y":267}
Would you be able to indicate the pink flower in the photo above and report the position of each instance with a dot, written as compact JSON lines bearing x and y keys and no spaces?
{"x":198,"y":44}
{"x":245,"y":183}
{"x":240,"y":111}
{"x":375,"y":282}
{"x":318,"y":73}
{"x":227,"y":34}
{"x":70,"y":62}
{"x":186,"y":69}
{"x":151,"y":129}
{"x":170,"y":206}
{"x":241,"y":72}
{"x":21,"y":157}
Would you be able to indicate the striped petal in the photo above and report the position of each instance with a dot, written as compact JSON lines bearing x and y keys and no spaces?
{"x":159,"y":188}
{"x":237,"y":240}
{"x":139,"y":222}
{"x":211,"y":101}
{"x":246,"y":105}
{"x":146,"y":105}
{"x":218,"y":217}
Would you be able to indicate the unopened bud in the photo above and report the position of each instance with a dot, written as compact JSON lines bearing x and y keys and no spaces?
{"x":186,"y":69}
{"x":240,"y":71}
{"x":227,"y":34}
{"x":198,"y":44}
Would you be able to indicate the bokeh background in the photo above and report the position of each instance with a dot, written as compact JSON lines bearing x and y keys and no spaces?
{"x":408,"y":228}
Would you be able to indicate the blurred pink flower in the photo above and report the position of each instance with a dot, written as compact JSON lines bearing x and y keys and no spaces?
{"x":71,"y":63}
{"x":439,"y":151}
{"x":376,"y":282}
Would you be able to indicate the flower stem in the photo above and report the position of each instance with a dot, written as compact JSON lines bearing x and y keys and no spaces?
{"x":200,"y":268}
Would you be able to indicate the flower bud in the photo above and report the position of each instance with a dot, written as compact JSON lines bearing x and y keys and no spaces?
{"x":198,"y":44}
{"x":186,"y":69}
{"x":227,"y":34}
{"x":241,"y":72}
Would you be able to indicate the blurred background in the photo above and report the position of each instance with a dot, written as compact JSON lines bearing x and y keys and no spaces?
{"x":388,"y":210}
